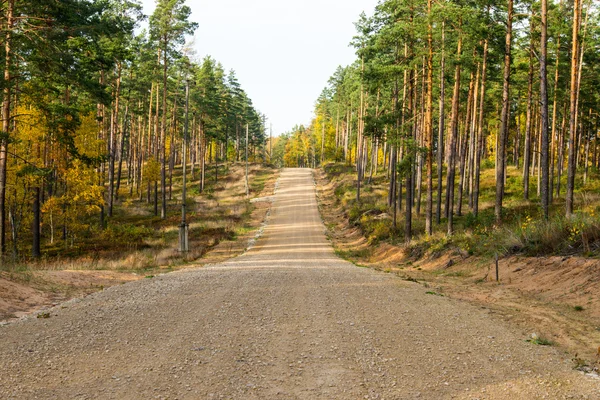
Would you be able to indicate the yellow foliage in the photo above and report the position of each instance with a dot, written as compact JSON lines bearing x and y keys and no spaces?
{"x":296,"y":150}
{"x":86,"y":137}
{"x":82,"y":198}
{"x":152,"y":170}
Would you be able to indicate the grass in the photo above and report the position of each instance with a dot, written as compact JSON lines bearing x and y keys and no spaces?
{"x":540,"y":340}
{"x":523,"y":230}
{"x":353,"y":253}
{"x":452,"y":274}
{"x":257,"y":185}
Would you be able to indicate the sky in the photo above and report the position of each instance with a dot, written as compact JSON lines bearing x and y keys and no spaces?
{"x":283,"y":52}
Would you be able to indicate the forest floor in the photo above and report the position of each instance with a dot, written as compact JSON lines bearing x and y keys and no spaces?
{"x":222,"y":223}
{"x":554,"y":298}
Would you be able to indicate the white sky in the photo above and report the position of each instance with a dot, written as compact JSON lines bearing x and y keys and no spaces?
{"x":283,"y":52}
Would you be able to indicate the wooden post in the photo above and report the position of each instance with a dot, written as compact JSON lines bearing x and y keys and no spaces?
{"x":497,"y":269}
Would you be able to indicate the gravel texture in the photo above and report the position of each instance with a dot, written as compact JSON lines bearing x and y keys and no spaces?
{"x":287,"y":320}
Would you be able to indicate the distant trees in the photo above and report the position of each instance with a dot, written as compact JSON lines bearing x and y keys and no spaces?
{"x":379,"y":110}
{"x":92,"y":115}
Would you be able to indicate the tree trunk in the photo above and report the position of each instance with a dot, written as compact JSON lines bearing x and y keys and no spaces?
{"x":124,"y":140}
{"x":420,"y":141}
{"x":5,"y":121}
{"x":112,"y":143}
{"x":554,"y":113}
{"x":429,"y":126}
{"x":202,"y":156}
{"x":545,"y":156}
{"x":527,"y":152}
{"x":35,"y":228}
{"x":441,"y":128}
{"x":480,"y":130}
{"x":504,"y":119}
{"x":359,"y":136}
{"x":587,"y":155}
{"x":450,"y":175}
{"x":561,"y":151}
{"x":163,"y":134}
{"x":571,"y":167}
{"x":473,"y":138}
{"x":464,"y":142}
{"x":157,"y":143}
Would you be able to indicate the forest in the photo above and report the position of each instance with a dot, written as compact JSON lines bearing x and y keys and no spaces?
{"x":100,"y":105}
{"x":480,"y":112}
{"x":471,"y":114}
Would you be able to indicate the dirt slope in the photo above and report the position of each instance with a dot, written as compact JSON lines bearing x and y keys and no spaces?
{"x":288,"y":320}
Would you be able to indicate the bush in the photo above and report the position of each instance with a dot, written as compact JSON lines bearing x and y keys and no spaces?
{"x":377,"y":230}
{"x":559,"y":236}
{"x":487,"y":163}
{"x":127,"y":233}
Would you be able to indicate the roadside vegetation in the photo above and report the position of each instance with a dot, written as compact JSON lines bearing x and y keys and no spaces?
{"x":136,"y":245}
{"x":524,"y":231}
{"x":469,"y":124}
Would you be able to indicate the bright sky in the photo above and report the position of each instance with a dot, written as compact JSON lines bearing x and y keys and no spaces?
{"x":283,"y":52}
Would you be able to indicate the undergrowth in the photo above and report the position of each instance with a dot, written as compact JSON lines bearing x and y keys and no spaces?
{"x":134,"y":239}
{"x":523,"y":230}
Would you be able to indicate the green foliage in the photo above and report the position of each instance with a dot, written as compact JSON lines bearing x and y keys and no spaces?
{"x":354,"y":254}
{"x":127,"y":233}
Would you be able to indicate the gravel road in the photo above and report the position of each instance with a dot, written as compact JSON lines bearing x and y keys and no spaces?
{"x":287,"y":320}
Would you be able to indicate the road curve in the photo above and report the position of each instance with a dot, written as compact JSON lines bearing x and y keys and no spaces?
{"x":287,"y":320}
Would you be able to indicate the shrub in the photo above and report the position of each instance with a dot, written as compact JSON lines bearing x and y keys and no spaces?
{"x":377,"y":230}
{"x":127,"y":233}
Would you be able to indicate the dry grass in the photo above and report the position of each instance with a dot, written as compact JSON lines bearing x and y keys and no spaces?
{"x":522,"y":231}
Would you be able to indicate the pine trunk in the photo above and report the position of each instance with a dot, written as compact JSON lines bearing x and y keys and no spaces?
{"x":450,"y":175}
{"x":429,"y":126}
{"x":527,"y":152}
{"x":571,"y":167}
{"x":545,"y":156}
{"x":5,"y":121}
{"x":504,"y":119}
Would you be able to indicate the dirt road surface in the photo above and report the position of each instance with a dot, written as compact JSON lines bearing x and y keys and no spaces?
{"x":287,"y":320}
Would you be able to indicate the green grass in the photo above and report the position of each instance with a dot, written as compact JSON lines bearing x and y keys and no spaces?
{"x":257,"y":185}
{"x":540,"y":341}
{"x":353,"y":254}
